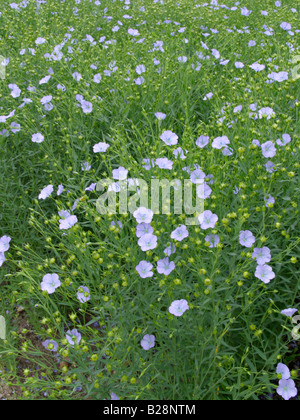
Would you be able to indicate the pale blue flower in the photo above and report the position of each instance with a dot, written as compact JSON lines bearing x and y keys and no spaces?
{"x":100,"y":147}
{"x":86,"y":106}
{"x":286,"y":139}
{"x":289,"y":312}
{"x":213,"y":240}
{"x":287,"y":389}
{"x":97,"y":78}
{"x":40,"y":41}
{"x":143,"y":215}
{"x":67,"y":223}
{"x":207,"y":219}
{"x":160,"y":115}
{"x":261,"y":255}
{"x":180,"y":233}
{"x":143,"y":228}
{"x":144,"y":269}
{"x":147,"y":242}
{"x":37,"y":138}
{"x":120,"y":173}
{"x":247,"y":238}
{"x":202,"y":141}
{"x":4,"y":243}
{"x":77,"y":76}
{"x":15,"y":90}
{"x":171,"y":249}
{"x":165,"y":266}
{"x":164,"y":163}
{"x":197,"y":176}
{"x":83,"y":294}
{"x":46,"y":192}
{"x":169,"y":138}
{"x":220,"y":142}
{"x":283,"y":371}
{"x":268,"y":149}
{"x":73,"y":337}
{"x":50,"y":283}
{"x":53,"y":345}
{"x":148,"y":342}
{"x":178,"y":307}
{"x":60,"y":189}
{"x":2,"y":258}
{"x":264,"y":273}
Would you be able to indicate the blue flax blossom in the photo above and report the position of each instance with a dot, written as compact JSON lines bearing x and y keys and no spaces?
{"x":264,"y":273}
{"x":148,"y":342}
{"x":60,"y":189}
{"x":86,"y":106}
{"x":197,"y":176}
{"x":261,"y":255}
{"x":278,"y":77}
{"x":287,"y":389}
{"x":4,"y":243}
{"x":100,"y":147}
{"x":266,"y":112}
{"x":204,"y":191}
{"x":143,"y":215}
{"x":83,"y":294}
{"x":220,"y":142}
{"x":246,"y":238}
{"x":269,"y":200}
{"x":46,"y":192}
{"x":44,"y":80}
{"x":213,"y":240}
{"x":120,"y":173}
{"x":40,"y":41}
{"x":286,"y":139}
{"x":2,"y":258}
{"x":283,"y":371}
{"x":73,"y":337}
{"x":180,"y":233}
{"x":160,"y":115}
{"x":50,"y":283}
{"x":169,"y":138}
{"x":144,"y":269}
{"x":179,"y":153}
{"x":164,"y":163}
{"x":97,"y":78}
{"x":257,"y":67}
{"x":147,"y":242}
{"x":268,"y":149}
{"x":178,"y":307}
{"x":143,"y":228}
{"x":37,"y":138}
{"x":140,"y":69}
{"x":133,"y":32}
{"x":50,"y":345}
{"x":207,"y":219}
{"x":202,"y":141}
{"x":15,"y":90}
{"x":171,"y":249}
{"x":165,"y":266}
{"x":67,"y":223}
{"x":289,"y":312}
{"x":286,"y":26}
